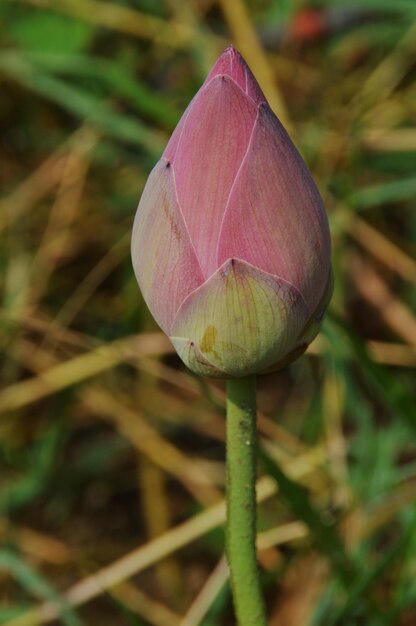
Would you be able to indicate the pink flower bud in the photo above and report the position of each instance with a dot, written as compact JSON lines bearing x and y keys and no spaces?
{"x":231,"y":244}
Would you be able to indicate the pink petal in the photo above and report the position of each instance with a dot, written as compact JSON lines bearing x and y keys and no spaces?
{"x":232,"y":64}
{"x":275,"y":219}
{"x":164,"y":260}
{"x":253,"y":88}
{"x":211,"y":148}
{"x":170,"y":150}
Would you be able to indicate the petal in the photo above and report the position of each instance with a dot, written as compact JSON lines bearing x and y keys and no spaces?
{"x":213,"y":142}
{"x":241,"y":321}
{"x":193,"y":358}
{"x":164,"y":260}
{"x":229,"y":64}
{"x":252,"y":87}
{"x":312,"y":328}
{"x":170,"y":150}
{"x":232,"y":64}
{"x":275,"y":219}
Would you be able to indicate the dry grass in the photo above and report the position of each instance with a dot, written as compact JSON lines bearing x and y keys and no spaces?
{"x":112,"y":456}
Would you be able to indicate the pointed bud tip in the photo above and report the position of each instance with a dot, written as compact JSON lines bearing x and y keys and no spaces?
{"x":233,"y":53}
{"x":231,"y":63}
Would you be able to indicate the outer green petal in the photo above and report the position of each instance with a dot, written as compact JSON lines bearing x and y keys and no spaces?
{"x":193,"y":358}
{"x":240,"y":321}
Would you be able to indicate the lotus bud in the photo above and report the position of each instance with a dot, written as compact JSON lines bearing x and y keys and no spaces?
{"x":231,"y":245}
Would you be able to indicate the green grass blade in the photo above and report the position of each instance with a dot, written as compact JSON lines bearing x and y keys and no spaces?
{"x":35,"y":584}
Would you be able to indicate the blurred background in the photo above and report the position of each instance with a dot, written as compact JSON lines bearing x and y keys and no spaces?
{"x":111,"y":454}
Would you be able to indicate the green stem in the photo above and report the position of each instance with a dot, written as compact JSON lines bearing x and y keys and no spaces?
{"x":241,"y":502}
